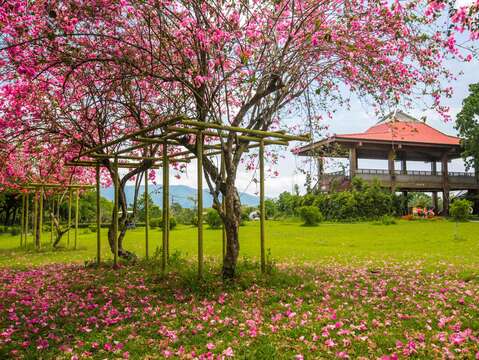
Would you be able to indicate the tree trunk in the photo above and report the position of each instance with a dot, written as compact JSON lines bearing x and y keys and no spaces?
{"x":60,"y":232}
{"x":231,"y":218}
{"x":7,"y":215}
{"x":122,"y":227}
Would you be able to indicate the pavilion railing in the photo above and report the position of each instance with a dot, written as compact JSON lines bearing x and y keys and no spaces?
{"x":398,"y":172}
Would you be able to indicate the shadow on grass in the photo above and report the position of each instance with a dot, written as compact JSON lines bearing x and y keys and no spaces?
{"x":181,"y":277}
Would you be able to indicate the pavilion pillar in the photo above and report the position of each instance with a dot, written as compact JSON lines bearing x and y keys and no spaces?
{"x":147,"y":215}
{"x":115,"y":212}
{"x":435,"y":202}
{"x":406,"y":205}
{"x":445,"y":185}
{"x":320,"y":163}
{"x":98,"y":216}
{"x":353,"y":162}
{"x":199,"y":156}
{"x":261,"y":205}
{"x":404,"y":166}
{"x":392,"y":173}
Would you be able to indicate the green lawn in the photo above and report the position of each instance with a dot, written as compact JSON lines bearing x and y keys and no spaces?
{"x":431,"y":242}
{"x":351,"y":291}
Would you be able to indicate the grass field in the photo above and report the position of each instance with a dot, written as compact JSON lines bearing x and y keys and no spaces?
{"x":430,"y":242}
{"x":360,"y":290}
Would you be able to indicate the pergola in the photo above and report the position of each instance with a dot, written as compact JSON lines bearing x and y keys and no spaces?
{"x":38,"y":189}
{"x":172,"y":133}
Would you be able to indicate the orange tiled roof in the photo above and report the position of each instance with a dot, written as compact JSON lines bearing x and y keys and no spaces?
{"x":404,"y":131}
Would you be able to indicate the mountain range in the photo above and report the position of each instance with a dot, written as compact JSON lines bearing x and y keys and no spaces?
{"x":181,"y":194}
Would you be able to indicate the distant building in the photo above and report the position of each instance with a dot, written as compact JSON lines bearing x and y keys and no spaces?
{"x":397,"y":136}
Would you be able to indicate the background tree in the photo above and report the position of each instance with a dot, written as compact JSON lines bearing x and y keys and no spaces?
{"x":154,"y":210}
{"x":467,"y":124}
{"x":418,"y":199}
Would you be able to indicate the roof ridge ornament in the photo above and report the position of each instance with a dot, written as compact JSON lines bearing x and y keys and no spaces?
{"x":401,"y":116}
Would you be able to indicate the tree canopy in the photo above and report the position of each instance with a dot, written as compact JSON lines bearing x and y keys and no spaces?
{"x":467,"y":123}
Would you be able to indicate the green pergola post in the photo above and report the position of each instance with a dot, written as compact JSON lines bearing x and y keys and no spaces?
{"x":167,"y":208}
{"x":115,"y":212}
{"x":40,"y":221}
{"x":51,"y":219}
{"x":261,"y":204}
{"x":199,"y":155}
{"x":35,"y":217}
{"x":77,"y":216}
{"x":22,"y":222}
{"x":98,"y":216}
{"x":70,"y":196}
{"x":147,"y":215}
{"x":166,"y":219}
{"x":27,"y":206}
{"x":223,"y":173}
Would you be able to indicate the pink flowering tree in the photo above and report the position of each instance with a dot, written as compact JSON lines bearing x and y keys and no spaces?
{"x":45,"y":130}
{"x":248,"y":64}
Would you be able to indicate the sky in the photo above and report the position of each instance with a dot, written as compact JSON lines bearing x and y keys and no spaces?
{"x":356,"y":119}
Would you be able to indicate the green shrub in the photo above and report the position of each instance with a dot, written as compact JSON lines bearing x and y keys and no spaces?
{"x":388,"y":220}
{"x":14,"y":231}
{"x":310,"y":215}
{"x":460,"y":210}
{"x":213,"y":219}
{"x":158,"y":223}
{"x":92,"y":228}
{"x":186,"y":216}
{"x":245,"y":211}
{"x":155,"y":222}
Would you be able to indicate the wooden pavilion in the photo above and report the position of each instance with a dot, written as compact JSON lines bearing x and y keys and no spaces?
{"x":396,"y":137}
